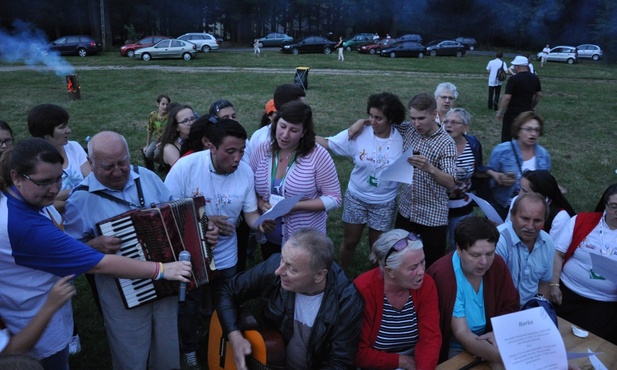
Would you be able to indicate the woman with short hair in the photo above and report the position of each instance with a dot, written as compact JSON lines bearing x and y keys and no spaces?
{"x":446,"y":94}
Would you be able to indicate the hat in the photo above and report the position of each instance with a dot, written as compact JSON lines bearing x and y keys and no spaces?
{"x":520,"y":61}
{"x":270,"y":107}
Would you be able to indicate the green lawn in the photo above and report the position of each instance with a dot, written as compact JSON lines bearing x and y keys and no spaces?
{"x":578,"y":105}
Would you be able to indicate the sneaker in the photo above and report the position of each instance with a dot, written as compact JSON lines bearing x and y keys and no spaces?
{"x":189,"y":361}
{"x":74,"y":345}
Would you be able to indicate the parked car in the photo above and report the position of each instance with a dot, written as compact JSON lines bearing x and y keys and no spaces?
{"x":589,"y":51}
{"x":404,"y":49}
{"x":205,"y":42}
{"x":410,"y":37}
{"x":469,"y":42}
{"x":311,"y":44}
{"x":374,"y":48}
{"x":444,"y":48}
{"x":357,"y":40}
{"x":75,"y":45}
{"x":275,"y":39}
{"x":566,"y":54}
{"x":129,"y":49}
{"x":170,"y":48}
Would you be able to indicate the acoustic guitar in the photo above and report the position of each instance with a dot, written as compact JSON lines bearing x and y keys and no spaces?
{"x":267,"y":348}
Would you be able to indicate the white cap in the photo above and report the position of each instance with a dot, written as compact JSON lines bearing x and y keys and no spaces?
{"x":520,"y":61}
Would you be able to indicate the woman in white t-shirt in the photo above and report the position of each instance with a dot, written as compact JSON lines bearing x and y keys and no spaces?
{"x":368,"y":199}
{"x":51,"y":122}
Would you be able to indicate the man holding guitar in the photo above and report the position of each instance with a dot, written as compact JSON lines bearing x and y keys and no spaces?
{"x":306,"y":297}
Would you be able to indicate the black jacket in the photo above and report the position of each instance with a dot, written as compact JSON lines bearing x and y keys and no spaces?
{"x":335,"y":334}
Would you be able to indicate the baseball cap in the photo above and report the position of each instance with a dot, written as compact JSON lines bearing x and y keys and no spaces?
{"x":520,"y":61}
{"x":270,"y":107}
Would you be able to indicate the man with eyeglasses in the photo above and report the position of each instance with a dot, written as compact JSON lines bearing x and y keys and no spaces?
{"x":523,"y":93}
{"x":527,"y":249}
{"x":147,"y":334}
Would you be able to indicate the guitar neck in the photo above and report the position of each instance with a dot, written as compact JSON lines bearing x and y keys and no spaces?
{"x":253,"y":364}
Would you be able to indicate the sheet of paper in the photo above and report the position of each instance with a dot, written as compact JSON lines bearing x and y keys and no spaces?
{"x":280,"y":209}
{"x":399,"y":170}
{"x":529,"y":340}
{"x":597,"y":364}
{"x":604,"y":266}
{"x":487,"y":208}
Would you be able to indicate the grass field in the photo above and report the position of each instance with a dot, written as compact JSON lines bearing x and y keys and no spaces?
{"x":118,"y":93}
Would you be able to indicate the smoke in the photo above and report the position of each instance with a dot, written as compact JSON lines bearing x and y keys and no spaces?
{"x":29,"y":45}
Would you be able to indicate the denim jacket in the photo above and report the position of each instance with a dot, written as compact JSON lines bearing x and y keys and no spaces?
{"x":503,"y":159}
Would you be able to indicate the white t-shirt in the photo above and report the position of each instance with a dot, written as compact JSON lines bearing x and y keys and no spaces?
{"x":226,"y":195}
{"x":371,"y":156}
{"x":76,"y":158}
{"x":260,"y":136}
{"x":578,"y":273}
{"x":493,"y":66}
{"x":305,"y":311}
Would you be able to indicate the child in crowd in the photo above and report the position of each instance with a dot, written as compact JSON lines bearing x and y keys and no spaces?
{"x":156,"y":126}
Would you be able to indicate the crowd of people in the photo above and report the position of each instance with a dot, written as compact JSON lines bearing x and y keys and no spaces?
{"x":441,"y":270}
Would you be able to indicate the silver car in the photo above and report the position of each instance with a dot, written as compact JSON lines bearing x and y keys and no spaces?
{"x":589,"y":51}
{"x":204,"y":41}
{"x":171,"y":48}
{"x":561,"y":54}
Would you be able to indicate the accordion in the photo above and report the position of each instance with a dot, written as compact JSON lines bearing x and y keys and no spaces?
{"x":159,"y":234}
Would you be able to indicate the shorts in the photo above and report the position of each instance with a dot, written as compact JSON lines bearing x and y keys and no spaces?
{"x":378,"y":216}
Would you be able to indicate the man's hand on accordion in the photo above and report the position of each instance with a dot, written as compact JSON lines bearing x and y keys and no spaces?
{"x":225,"y":228}
{"x":105,"y":244}
{"x":212,"y":235}
{"x":178,"y":270}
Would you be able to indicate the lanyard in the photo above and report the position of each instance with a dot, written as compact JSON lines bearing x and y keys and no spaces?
{"x":275,"y":167}
{"x":384,"y":158}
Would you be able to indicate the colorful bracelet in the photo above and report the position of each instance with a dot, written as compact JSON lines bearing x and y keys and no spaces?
{"x":156,"y":271}
{"x":161,"y":273}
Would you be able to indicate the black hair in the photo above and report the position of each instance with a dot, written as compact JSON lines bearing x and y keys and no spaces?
{"x":286,"y":93}
{"x":161,"y":97}
{"x":5,"y":126}
{"x":389,"y":104}
{"x":227,"y":127}
{"x":171,"y":130}
{"x":44,"y":118}
{"x":296,"y":112}
{"x":199,"y":130}
{"x":541,"y":181}
{"x":611,"y":190}
{"x":23,"y":157}
{"x":216,"y":107}
{"x":474,"y":228}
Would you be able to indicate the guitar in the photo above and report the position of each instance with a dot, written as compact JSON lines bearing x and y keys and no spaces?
{"x":267,"y":348}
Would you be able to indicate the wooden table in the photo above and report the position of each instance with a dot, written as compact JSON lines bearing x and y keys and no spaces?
{"x":572,"y":342}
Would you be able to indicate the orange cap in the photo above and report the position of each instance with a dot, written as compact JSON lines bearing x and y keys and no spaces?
{"x":270,"y":107}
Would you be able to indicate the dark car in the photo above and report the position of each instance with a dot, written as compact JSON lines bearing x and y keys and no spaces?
{"x":404,"y":49}
{"x":129,"y":49}
{"x":469,"y":42}
{"x":357,"y":40}
{"x":445,"y":48}
{"x":311,"y":44}
{"x":376,"y":47}
{"x":75,"y":45}
{"x":275,"y":39}
{"x":410,"y":37}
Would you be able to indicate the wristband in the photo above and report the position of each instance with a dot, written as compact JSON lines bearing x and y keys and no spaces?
{"x":156,"y":271}
{"x":161,"y":271}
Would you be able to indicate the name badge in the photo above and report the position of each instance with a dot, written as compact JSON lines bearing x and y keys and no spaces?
{"x":274,"y":199}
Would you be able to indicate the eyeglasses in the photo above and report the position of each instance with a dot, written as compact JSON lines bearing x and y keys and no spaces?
{"x":611,"y":206}
{"x":446,"y":97}
{"x":6,"y":142}
{"x":453,"y":122}
{"x":400,"y":245}
{"x":189,"y":121}
{"x":47,"y":183}
{"x":531,"y":129}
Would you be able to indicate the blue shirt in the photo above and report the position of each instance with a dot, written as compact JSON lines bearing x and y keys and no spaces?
{"x":468,"y":304}
{"x":34,"y":254}
{"x":528,"y":269}
{"x":503,"y":159}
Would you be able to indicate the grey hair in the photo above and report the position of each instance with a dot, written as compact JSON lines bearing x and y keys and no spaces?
{"x":465,"y":116}
{"x":446,"y":86}
{"x":382,"y":246}
{"x":319,"y":246}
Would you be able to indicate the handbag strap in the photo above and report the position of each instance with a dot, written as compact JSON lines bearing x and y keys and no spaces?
{"x":101,"y":193}
{"x":518,"y":161}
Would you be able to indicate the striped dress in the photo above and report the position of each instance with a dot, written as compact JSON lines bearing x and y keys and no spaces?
{"x":313,"y":176}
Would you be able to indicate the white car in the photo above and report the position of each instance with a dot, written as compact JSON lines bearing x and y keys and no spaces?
{"x":205,"y":42}
{"x":589,"y":51}
{"x":566,"y":54}
{"x":170,"y":48}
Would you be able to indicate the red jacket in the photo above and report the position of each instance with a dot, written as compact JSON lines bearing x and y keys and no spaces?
{"x":371,"y":285}
{"x":500,"y":295}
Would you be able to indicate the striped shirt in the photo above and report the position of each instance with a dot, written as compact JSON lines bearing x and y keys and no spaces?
{"x":399,"y":329}
{"x":313,"y":176}
{"x":465,"y":168}
{"x":425,"y":202}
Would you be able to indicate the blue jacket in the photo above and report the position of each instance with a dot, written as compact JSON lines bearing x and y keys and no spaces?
{"x":503,"y":159}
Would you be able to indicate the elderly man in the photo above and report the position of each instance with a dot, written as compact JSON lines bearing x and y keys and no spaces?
{"x":146,"y":335}
{"x":527,"y":249}
{"x":523,"y":93}
{"x":306,"y":297}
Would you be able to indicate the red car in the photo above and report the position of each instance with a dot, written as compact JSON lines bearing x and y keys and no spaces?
{"x":373,"y":48}
{"x":129,"y":49}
